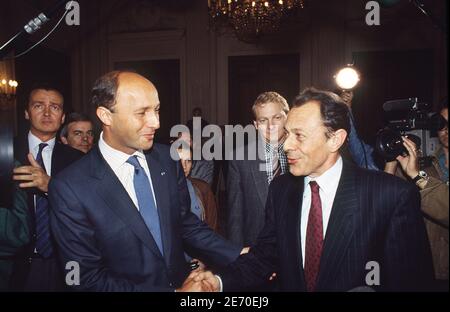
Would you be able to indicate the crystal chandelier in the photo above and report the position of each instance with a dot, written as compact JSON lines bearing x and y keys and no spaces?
{"x":251,"y":18}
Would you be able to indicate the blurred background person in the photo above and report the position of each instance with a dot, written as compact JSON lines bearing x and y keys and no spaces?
{"x":203,"y":202}
{"x":78,"y":132}
{"x":360,"y":152}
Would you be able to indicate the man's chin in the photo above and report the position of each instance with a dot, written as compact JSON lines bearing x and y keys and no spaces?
{"x":147,"y":145}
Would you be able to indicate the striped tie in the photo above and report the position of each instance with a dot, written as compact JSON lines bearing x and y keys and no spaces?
{"x":276,"y":167}
{"x":43,"y":243}
{"x":314,"y":238}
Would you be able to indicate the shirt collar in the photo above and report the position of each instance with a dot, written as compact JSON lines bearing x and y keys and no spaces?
{"x":329,"y":180}
{"x":34,"y":141}
{"x":113,"y":157}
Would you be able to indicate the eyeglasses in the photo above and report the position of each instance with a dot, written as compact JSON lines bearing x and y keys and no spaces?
{"x":38,"y":107}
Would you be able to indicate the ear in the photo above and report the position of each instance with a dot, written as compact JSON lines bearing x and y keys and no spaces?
{"x":104,"y":115}
{"x":63,"y":118}
{"x":27,"y":116}
{"x":64,"y":140}
{"x":337,"y":140}
{"x":255,"y":124}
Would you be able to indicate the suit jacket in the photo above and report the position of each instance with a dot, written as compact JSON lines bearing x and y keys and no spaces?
{"x":62,"y":156}
{"x":96,"y":224}
{"x":436,"y":212}
{"x":374,"y":217}
{"x":247,"y":189}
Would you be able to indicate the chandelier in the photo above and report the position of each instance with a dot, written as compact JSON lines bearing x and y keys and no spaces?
{"x":7,"y":94}
{"x":251,"y":18}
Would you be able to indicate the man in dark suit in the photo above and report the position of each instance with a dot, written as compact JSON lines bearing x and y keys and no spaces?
{"x":43,"y":156}
{"x":248,"y":179}
{"x":331,"y":226}
{"x":124,"y":216}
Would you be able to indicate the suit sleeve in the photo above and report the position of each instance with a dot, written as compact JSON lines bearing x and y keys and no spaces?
{"x":75,"y":238}
{"x":255,"y":268}
{"x":408,"y":264}
{"x":200,"y":240}
{"x":235,"y":205}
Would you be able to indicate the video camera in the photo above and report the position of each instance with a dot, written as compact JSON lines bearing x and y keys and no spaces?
{"x":416,"y":121}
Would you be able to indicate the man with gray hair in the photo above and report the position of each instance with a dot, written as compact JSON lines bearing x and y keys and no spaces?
{"x":78,"y":132}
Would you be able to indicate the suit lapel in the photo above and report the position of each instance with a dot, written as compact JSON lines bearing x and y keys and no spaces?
{"x":161,"y":186}
{"x":117,"y":199}
{"x":340,"y":227}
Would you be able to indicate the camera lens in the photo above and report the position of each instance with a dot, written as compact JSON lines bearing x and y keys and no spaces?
{"x":389,"y":144}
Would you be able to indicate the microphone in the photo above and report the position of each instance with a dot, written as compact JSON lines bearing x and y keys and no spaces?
{"x":31,"y":26}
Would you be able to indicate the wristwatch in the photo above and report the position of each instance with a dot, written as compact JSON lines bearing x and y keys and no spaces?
{"x":422,"y":175}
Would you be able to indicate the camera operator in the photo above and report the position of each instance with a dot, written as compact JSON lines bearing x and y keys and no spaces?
{"x":361,"y":153}
{"x":433,"y":183}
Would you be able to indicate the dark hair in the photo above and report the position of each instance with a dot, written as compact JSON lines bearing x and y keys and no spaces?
{"x":334,"y":112}
{"x":44,"y":86}
{"x":73,"y":117}
{"x":105,"y":88}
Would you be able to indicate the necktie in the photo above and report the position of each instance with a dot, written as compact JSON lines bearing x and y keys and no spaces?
{"x":43,"y":243}
{"x":147,"y":206}
{"x":314,"y":238}
{"x":276,"y":168}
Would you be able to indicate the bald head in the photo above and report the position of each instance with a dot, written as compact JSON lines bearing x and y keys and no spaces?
{"x":128,"y":107}
{"x":106,"y":88}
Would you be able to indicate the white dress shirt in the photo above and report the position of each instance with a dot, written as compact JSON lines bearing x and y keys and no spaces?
{"x":124,"y":171}
{"x":328,"y":184}
{"x":33,"y":145}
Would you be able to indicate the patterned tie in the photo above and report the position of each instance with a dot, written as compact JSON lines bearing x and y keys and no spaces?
{"x":147,"y":206}
{"x":276,"y":167}
{"x":43,"y":243}
{"x":314,"y":238}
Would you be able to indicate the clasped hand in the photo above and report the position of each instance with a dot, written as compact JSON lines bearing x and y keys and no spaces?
{"x":200,"y":281}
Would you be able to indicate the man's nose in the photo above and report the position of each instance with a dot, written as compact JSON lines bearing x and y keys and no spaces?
{"x":288,"y":143}
{"x":47,"y":110}
{"x":153,"y":121}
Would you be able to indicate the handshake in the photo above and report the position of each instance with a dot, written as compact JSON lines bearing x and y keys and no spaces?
{"x":201,"y":280}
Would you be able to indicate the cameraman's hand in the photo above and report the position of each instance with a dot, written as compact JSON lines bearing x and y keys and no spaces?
{"x":347,"y":97}
{"x":409,"y":163}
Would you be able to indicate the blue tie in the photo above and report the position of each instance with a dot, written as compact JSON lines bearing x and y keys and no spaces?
{"x":146,"y":204}
{"x":43,"y":243}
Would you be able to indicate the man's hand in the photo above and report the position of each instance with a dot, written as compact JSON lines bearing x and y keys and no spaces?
{"x":347,"y":97}
{"x":34,"y":174}
{"x":194,"y":283}
{"x":409,"y":163}
{"x":208,"y":278}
